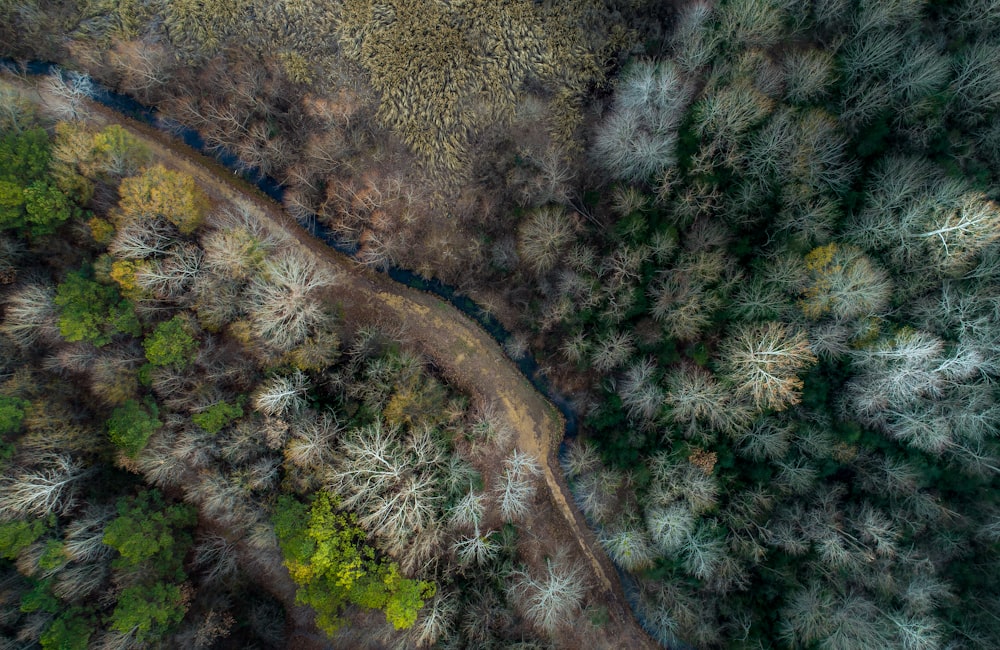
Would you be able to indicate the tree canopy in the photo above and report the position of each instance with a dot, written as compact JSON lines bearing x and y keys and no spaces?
{"x":326,"y":554}
{"x":162,"y":192}
{"x":131,"y":425}
{"x":91,"y":311}
{"x":170,"y":344}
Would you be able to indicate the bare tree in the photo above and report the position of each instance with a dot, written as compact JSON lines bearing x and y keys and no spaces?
{"x":141,"y":238}
{"x":670,"y":527}
{"x":435,"y":619}
{"x":469,"y":510}
{"x":283,"y":307}
{"x":72,"y":89}
{"x":628,"y":546}
{"x":30,"y":316}
{"x":49,"y":488}
{"x":84,"y":536}
{"x":282,"y":394}
{"x":638,"y":139}
{"x":580,"y":458}
{"x":479,"y":548}
{"x":312,"y":440}
{"x":515,"y":487}
{"x":763,"y":361}
{"x":216,"y":557}
{"x":809,"y":74}
{"x":542,"y":237}
{"x":640,"y":392}
{"x":694,"y":40}
{"x":552,"y":599}
{"x":170,"y":277}
{"x":612,"y":351}
{"x":391,"y":483}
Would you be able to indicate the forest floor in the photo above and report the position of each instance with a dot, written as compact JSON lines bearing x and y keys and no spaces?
{"x":465,"y":355}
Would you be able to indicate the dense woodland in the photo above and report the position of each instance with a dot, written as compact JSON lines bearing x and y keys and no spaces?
{"x":757,"y":241}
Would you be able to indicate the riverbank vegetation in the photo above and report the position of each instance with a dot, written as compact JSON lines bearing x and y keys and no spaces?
{"x":756,"y":241}
{"x":185,"y":414}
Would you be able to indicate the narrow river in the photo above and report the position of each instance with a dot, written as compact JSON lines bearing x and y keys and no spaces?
{"x":527,"y":365}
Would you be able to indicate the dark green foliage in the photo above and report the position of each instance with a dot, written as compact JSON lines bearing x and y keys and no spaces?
{"x":93,"y":312}
{"x":149,"y":533}
{"x":131,"y":425}
{"x":24,"y":156}
{"x":11,"y":414}
{"x":40,"y":598}
{"x":16,"y":536}
{"x":148,"y":611}
{"x":71,"y":630}
{"x":53,"y":557}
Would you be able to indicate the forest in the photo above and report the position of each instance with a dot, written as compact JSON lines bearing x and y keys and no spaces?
{"x":756,"y":243}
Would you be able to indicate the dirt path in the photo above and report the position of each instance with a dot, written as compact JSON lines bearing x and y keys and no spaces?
{"x":468,"y":356}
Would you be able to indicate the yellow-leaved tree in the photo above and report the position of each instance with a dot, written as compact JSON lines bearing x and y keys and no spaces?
{"x":326,"y":555}
{"x":162,"y":192}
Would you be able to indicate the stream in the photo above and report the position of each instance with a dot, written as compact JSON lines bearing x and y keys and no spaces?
{"x":527,"y":364}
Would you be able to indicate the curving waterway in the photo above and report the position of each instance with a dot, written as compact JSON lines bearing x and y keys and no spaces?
{"x":527,"y":365}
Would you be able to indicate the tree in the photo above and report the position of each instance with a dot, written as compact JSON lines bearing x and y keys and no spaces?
{"x":516,"y":486}
{"x":977,"y":80}
{"x":552,"y":599}
{"x":28,"y":200}
{"x":543,"y":236}
{"x":284,"y":309}
{"x":638,"y":139}
{"x":763,"y":361}
{"x":670,"y":527}
{"x":391,"y":483}
{"x":956,"y":233}
{"x":93,"y":312}
{"x":131,"y":425}
{"x":612,"y":350}
{"x":50,"y":487}
{"x":809,"y":74}
{"x":697,"y":400}
{"x":31,"y":315}
{"x":142,"y":238}
{"x":24,"y":156}
{"x":171,"y":343}
{"x":238,"y":247}
{"x":11,"y":414}
{"x":149,"y":533}
{"x":845,"y":282}
{"x":479,"y":548}
{"x":117,"y":153}
{"x":169,"y":277}
{"x":46,"y":208}
{"x":326,"y":555}
{"x":71,"y":630}
{"x":17,"y":535}
{"x":161,"y":192}
{"x":72,"y":89}
{"x":217,"y":416}
{"x":282,"y":394}
{"x":628,"y":546}
{"x":148,"y":611}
